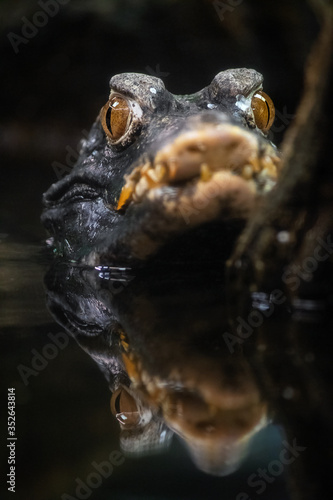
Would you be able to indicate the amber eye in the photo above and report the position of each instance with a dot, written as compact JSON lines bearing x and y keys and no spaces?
{"x":116,"y":117}
{"x":263,"y":110}
{"x":124,"y":408}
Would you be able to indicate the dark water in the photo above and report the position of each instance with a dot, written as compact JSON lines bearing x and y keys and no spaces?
{"x":63,"y":421}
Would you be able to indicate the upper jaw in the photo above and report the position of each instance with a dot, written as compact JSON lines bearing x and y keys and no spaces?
{"x":207,"y":169}
{"x":223,"y":159}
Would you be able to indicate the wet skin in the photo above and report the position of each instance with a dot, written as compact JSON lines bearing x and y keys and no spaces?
{"x":290,"y":358}
{"x":157,"y":166}
{"x":161,"y":176}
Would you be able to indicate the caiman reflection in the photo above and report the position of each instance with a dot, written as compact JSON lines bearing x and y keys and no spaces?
{"x":159,"y":341}
{"x":132,"y":198}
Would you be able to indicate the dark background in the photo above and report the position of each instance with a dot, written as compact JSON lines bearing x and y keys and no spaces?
{"x":51,"y":91}
{"x":53,"y":88}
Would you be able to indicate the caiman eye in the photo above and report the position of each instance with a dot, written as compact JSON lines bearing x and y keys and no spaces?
{"x":121,"y":119}
{"x":115,"y":117}
{"x":124,"y":408}
{"x":263,"y":110}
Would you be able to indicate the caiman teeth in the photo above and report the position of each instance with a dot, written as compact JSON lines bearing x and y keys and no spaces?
{"x":222,"y":147}
{"x":158,"y":174}
{"x":141,"y":188}
{"x":125,"y":195}
{"x":199,"y":155}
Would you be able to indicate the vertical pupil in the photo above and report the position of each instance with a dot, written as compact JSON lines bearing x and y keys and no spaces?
{"x":108,"y":120}
{"x":116,"y":117}
{"x":263,"y":110}
{"x":119,"y":117}
{"x":268,"y":113}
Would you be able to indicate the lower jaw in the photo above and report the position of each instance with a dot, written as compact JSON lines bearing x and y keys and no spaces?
{"x":201,"y":217}
{"x":224,"y":195}
{"x":202,"y":214}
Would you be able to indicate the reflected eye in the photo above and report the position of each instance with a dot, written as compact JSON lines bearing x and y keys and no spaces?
{"x":120,"y":119}
{"x":124,"y":408}
{"x":263,"y":110}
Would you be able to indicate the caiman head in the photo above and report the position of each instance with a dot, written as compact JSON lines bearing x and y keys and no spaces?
{"x":157,"y":167}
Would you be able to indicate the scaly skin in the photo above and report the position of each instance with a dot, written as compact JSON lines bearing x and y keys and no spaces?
{"x":116,"y":206}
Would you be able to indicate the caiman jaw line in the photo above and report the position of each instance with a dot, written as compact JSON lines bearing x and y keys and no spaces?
{"x":164,"y":395}
{"x":198,"y":156}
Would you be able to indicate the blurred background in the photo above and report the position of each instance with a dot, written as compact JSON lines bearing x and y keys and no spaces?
{"x":56,"y":59}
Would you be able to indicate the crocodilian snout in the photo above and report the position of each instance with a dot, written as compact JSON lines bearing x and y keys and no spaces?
{"x":208,"y":169}
{"x":211,"y":170}
{"x":210,"y":155}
